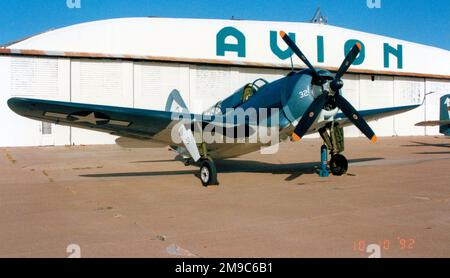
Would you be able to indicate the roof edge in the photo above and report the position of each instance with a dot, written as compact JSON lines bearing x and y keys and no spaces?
{"x":86,"y":55}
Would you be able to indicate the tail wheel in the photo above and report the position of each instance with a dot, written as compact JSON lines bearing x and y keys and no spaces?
{"x":338,"y":165}
{"x":208,"y":173}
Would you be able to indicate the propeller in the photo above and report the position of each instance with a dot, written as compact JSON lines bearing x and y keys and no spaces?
{"x":334,"y":96}
{"x":302,"y":57}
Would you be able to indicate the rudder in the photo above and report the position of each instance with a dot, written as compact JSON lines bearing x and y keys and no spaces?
{"x":445,"y":114}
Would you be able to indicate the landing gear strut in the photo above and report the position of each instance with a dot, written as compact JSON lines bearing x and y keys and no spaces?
{"x":333,"y":136}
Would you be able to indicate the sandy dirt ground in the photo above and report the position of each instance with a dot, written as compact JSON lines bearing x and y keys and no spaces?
{"x":113,"y":202}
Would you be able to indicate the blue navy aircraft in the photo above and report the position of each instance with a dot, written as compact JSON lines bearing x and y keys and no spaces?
{"x":307,"y":101}
{"x":444,"y":122}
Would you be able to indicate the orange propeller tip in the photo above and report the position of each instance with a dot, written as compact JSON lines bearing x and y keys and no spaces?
{"x":374,"y":139}
{"x":359,"y":45}
{"x":282,"y":34}
{"x":296,"y":137}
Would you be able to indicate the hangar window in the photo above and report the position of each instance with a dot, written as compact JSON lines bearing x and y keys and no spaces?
{"x":34,"y":76}
{"x":46,"y":128}
{"x":101,"y":78}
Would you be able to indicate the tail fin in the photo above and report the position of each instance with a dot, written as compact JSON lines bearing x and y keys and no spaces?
{"x":175,"y":103}
{"x":445,"y":115}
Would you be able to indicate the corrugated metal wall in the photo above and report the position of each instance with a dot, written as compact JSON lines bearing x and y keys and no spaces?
{"x":47,"y":78}
{"x":147,"y":85}
{"x":100,"y":82}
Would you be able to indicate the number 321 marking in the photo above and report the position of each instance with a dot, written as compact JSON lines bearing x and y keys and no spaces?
{"x":304,"y":93}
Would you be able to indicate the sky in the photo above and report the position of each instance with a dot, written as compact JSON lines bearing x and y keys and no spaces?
{"x":420,"y":21}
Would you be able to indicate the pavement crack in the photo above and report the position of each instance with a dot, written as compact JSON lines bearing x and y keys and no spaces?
{"x":10,"y":158}
{"x":45,"y":173}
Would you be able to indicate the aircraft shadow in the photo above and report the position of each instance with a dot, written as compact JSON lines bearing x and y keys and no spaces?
{"x":433,"y":153}
{"x":154,"y":161}
{"x":422,"y":144}
{"x":177,"y":158}
{"x":294,"y":170}
{"x":141,"y":174}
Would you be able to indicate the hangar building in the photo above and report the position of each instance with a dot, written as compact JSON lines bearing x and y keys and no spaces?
{"x":137,"y":62}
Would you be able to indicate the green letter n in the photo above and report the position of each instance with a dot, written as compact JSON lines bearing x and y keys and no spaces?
{"x":396,"y":52}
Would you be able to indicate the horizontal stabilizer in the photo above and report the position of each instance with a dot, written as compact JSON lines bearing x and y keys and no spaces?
{"x":434,"y":123}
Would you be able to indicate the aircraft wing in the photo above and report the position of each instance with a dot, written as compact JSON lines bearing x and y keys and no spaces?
{"x":434,"y":123}
{"x":133,"y":123}
{"x":155,"y":127}
{"x":376,"y":114}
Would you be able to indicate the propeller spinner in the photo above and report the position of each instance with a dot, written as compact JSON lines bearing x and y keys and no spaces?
{"x":335,"y":85}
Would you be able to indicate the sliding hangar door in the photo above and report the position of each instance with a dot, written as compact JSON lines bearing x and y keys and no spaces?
{"x":47,"y":78}
{"x":147,"y":85}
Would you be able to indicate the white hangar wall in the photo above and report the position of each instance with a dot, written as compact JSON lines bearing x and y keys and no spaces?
{"x":239,"y":42}
{"x":104,"y":83}
{"x":47,"y":78}
{"x":432,"y":107}
{"x":147,"y":85}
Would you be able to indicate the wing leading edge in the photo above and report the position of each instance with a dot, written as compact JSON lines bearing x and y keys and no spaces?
{"x":141,"y":124}
{"x":126,"y":122}
{"x":376,"y":114}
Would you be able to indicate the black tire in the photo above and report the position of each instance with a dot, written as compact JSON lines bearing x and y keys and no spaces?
{"x":208,"y":173}
{"x":338,"y":165}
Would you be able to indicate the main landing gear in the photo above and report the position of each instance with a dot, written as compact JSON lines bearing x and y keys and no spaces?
{"x":208,"y":170}
{"x":333,"y":136}
{"x":338,"y":165}
{"x":208,"y":173}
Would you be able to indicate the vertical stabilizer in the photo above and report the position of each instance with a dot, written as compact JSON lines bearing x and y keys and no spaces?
{"x":175,"y":103}
{"x":445,"y":114}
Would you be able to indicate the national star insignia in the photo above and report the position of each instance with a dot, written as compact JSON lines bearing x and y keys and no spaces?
{"x":91,"y":118}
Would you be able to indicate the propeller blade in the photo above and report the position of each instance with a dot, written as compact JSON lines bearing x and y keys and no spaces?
{"x":351,"y":56}
{"x":300,"y":54}
{"x":309,"y":117}
{"x":355,"y":117}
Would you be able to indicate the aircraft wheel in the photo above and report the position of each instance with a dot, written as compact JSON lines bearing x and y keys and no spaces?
{"x":208,"y":173}
{"x":338,"y":165}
